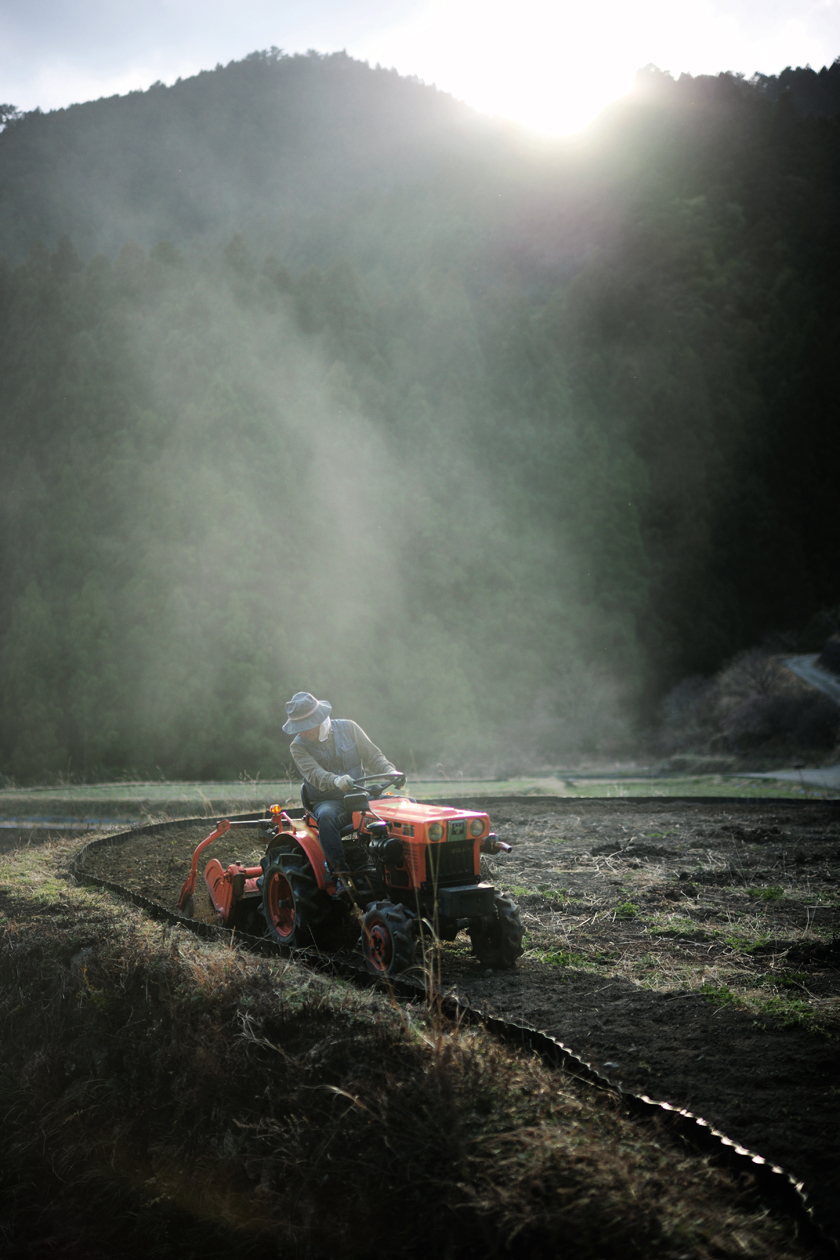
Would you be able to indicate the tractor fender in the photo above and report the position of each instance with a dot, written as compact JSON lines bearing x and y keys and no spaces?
{"x":315,"y":854}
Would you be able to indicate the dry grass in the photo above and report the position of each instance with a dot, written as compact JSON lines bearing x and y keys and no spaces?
{"x":167,"y":1096}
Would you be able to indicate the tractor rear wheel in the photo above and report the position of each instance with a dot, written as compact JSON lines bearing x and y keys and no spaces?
{"x":388,"y":941}
{"x":291,"y":900}
{"x":498,"y":943}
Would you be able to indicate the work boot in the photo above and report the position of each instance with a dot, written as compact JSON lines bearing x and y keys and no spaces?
{"x":343,"y":891}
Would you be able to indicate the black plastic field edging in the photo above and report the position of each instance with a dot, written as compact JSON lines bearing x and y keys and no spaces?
{"x":780,"y":1190}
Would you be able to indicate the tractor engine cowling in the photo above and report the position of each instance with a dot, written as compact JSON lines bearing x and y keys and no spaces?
{"x":440,"y":845}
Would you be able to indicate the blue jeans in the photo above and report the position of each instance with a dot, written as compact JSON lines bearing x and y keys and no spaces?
{"x":332,"y":816}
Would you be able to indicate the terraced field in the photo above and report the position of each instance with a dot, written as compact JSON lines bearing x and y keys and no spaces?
{"x":689,"y":948}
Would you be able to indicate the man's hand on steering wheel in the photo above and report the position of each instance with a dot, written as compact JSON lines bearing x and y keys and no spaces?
{"x":395,"y":779}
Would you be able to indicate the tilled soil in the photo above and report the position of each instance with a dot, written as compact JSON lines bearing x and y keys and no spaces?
{"x":688,"y":948}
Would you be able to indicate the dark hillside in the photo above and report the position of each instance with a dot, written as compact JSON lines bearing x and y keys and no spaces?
{"x":259,"y":145}
{"x":715,"y":315}
{"x":492,"y":439}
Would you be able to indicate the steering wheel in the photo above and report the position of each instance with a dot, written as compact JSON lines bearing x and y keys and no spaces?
{"x":393,"y":778}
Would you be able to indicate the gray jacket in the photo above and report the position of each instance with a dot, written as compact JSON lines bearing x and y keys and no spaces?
{"x":371,"y":759}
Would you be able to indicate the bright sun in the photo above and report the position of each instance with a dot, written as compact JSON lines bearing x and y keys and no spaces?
{"x":540,"y":73}
{"x":553,"y":65}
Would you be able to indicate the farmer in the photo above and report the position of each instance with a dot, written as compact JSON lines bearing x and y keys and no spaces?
{"x":330,"y":754}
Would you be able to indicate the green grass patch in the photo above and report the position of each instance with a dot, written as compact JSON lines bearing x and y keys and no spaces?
{"x":743,"y":944}
{"x":647,"y":962}
{"x":792,"y":1013}
{"x":720,"y":995}
{"x":541,"y":890}
{"x":626,"y":910}
{"x":561,"y":958}
{"x":775,"y":893}
{"x":670,"y":925}
{"x":783,"y":980}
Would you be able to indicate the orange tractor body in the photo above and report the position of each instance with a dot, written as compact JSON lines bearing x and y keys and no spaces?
{"x":414,"y":870}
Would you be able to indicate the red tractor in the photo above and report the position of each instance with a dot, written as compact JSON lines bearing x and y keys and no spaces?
{"x":415,"y":870}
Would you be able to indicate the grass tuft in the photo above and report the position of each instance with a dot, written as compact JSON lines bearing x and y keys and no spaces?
{"x":719,"y":995}
{"x":561,"y":958}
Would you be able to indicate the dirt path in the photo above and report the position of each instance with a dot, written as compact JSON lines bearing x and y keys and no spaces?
{"x":806,"y":668}
{"x":690,"y":949}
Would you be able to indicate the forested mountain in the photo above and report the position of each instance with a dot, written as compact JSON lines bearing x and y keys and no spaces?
{"x":811,"y":91}
{"x":261,"y":145}
{"x":319,"y":380}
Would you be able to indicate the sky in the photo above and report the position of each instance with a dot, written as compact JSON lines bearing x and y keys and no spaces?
{"x":548,"y":65}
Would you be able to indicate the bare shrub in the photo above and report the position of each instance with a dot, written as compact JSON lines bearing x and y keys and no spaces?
{"x":753,"y":705}
{"x":810,"y":722}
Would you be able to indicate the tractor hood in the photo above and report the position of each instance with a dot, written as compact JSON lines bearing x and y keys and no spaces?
{"x":400,"y":809}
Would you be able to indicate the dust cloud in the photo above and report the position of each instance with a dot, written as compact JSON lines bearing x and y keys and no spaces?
{"x":293,"y":540}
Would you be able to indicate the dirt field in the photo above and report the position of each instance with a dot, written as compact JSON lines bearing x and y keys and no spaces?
{"x":690,"y":949}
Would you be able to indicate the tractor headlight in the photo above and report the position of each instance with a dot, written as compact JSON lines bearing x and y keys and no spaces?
{"x":476,"y":827}
{"x":435,"y":831}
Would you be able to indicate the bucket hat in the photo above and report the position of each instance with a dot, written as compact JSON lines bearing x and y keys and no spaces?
{"x":304,"y":711}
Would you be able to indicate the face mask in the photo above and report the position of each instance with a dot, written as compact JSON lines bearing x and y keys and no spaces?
{"x":324,"y":729}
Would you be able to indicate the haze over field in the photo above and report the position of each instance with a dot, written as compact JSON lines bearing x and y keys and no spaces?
{"x":312,"y":376}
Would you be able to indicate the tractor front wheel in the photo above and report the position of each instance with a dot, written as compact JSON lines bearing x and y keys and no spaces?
{"x":497,"y":942}
{"x":291,"y":900}
{"x":388,"y":941}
